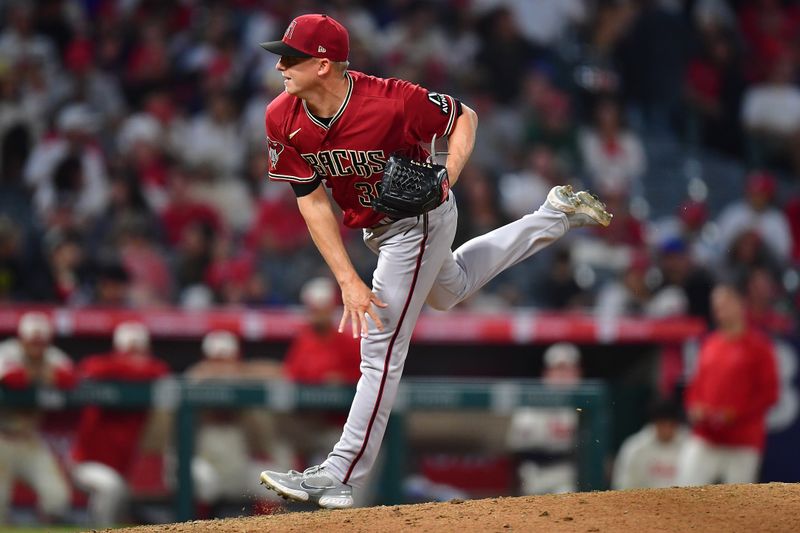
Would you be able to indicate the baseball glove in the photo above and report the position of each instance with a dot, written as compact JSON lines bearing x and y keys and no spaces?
{"x":411,"y":188}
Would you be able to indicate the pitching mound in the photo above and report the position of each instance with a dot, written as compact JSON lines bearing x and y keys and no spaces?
{"x":746,"y":508}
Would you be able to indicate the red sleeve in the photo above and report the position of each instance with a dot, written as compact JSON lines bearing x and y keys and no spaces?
{"x":293,"y":362}
{"x":285,"y":164}
{"x":95,"y":367}
{"x":765,"y":380}
{"x":120,"y":368}
{"x":154,"y":369}
{"x":349,"y":358}
{"x":427,"y":113}
{"x":16,"y":378}
{"x":65,"y":377}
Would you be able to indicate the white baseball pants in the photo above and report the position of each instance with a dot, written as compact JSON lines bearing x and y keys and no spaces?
{"x":415,"y":266}
{"x":703,"y":463}
{"x":107,"y":489}
{"x":31,"y":460}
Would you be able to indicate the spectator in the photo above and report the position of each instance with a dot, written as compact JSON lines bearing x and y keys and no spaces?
{"x":192,"y":259}
{"x":233,"y":277}
{"x":141,"y":143}
{"x":126,"y":203}
{"x":757,"y":213}
{"x":747,"y":252}
{"x":143,"y":259}
{"x":714,"y":87}
{"x":627,"y":231}
{"x":734,"y":384}
{"x":22,"y":118}
{"x":87,"y":83}
{"x":111,"y":286}
{"x":67,"y":173}
{"x":689,"y":223}
{"x":680,"y":272}
{"x":543,"y":439}
{"x":214,"y":140}
{"x":544,"y":22}
{"x":614,"y":157}
{"x":503,"y":55}
{"x":162,"y":106}
{"x":554,"y":127}
{"x":148,"y":63}
{"x":521,"y":191}
{"x":320,"y":354}
{"x":635,"y":294}
{"x":480,"y":204}
{"x":109,"y":440}
{"x":771,"y":115}
{"x":64,"y":280}
{"x":231,"y":444}
{"x":183,"y":208}
{"x":597,"y":71}
{"x":767,"y":26}
{"x":281,"y":244}
{"x":414,"y":45}
{"x":229,"y":196}
{"x":768,"y":308}
{"x":21,"y":46}
{"x":32,"y":360}
{"x":560,"y":290}
{"x":648,"y":459}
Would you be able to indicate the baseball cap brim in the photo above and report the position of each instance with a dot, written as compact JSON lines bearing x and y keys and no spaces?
{"x":282,"y":49}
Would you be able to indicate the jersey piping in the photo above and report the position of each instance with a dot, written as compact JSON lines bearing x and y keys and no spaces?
{"x":389,"y":354}
{"x":339,"y":112}
{"x":296,"y":179}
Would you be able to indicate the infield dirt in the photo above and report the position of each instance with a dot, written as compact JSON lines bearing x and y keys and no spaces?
{"x":772,"y":507}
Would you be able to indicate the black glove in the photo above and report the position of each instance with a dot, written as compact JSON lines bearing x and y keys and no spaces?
{"x":411,"y":188}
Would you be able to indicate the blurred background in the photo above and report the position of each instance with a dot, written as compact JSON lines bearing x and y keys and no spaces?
{"x":142,"y":244}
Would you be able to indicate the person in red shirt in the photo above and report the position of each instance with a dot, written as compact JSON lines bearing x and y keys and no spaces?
{"x":728,"y":398}
{"x":108,"y":440}
{"x":27,"y":361}
{"x":339,"y":127}
{"x":319,"y":353}
{"x":183,"y":210}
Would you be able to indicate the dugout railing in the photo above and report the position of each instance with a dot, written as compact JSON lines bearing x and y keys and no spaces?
{"x":590,"y":399}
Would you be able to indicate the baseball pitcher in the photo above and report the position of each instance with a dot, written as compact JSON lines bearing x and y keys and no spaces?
{"x":363,"y":138}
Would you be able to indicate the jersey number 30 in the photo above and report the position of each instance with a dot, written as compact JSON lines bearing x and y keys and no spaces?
{"x":367,"y":192}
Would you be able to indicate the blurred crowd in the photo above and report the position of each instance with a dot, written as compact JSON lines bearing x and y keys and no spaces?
{"x":133,"y":172}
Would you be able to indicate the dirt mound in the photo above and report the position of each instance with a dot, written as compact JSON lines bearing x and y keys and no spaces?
{"x":746,"y":508}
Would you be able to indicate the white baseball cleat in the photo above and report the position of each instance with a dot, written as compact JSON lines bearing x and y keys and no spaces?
{"x":582,"y":208}
{"x":313,"y":485}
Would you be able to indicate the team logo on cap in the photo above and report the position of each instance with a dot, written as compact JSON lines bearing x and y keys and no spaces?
{"x":275,"y":149}
{"x":290,"y":30}
{"x":321,"y":50}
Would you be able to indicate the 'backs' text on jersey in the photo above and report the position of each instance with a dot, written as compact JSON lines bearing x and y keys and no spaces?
{"x":377,"y":118}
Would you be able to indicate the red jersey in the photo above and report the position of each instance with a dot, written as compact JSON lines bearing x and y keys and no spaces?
{"x":111,"y":436}
{"x":737,"y":375}
{"x":313,"y":358}
{"x":377,"y":118}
